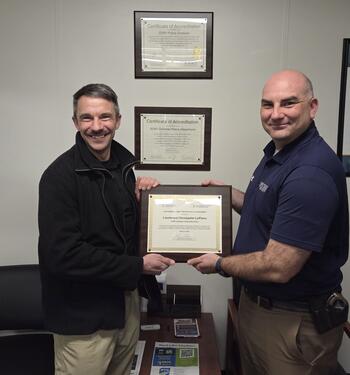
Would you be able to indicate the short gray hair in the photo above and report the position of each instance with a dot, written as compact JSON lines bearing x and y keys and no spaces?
{"x":96,"y":90}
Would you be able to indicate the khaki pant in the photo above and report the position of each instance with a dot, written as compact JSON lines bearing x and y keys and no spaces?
{"x":275,"y":342}
{"x":105,"y":352}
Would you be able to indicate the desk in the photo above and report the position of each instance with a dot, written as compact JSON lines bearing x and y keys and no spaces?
{"x":233,"y":361}
{"x":208,"y":351}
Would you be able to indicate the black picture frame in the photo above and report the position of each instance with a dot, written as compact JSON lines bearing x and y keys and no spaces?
{"x":343,"y":142}
{"x":226,"y":216}
{"x":166,"y":112}
{"x":191,"y":68}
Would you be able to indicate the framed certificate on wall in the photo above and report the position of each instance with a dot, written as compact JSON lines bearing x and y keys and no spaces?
{"x":173,"y":138}
{"x":173,"y":44}
{"x":343,"y":146}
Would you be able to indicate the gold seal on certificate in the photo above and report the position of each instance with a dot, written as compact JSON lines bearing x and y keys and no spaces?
{"x":183,"y":221}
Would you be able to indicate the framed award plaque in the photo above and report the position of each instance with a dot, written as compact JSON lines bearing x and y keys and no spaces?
{"x":185,"y":221}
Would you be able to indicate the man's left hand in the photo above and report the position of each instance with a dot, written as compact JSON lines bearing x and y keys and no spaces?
{"x":205,"y":263}
{"x":144,"y":183}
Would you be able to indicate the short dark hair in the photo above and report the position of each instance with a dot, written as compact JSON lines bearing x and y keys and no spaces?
{"x":96,"y":90}
{"x":309,"y":90}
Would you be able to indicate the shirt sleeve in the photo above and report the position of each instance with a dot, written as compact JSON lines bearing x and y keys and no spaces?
{"x":307,"y":203}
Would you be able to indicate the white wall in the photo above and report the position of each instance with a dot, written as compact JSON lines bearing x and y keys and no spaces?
{"x":50,"y":48}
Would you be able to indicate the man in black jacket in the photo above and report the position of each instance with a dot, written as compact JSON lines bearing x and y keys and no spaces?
{"x":88,"y":224}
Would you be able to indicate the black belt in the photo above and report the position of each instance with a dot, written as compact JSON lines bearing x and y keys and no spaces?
{"x":269,"y":303}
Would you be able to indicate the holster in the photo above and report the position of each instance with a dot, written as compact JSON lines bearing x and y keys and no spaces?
{"x":329,"y":312}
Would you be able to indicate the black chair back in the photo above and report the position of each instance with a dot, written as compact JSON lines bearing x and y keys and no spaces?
{"x":20,"y":297}
{"x":25,"y":349}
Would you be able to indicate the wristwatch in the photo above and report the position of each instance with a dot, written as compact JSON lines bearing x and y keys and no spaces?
{"x":219,"y":270}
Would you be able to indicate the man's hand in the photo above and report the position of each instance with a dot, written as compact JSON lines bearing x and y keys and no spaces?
{"x":155,"y":264}
{"x":210,"y":182}
{"x":205,"y":263}
{"x":144,"y":183}
{"x":237,"y":195}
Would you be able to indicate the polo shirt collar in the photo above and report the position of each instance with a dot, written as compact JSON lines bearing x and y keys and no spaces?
{"x":283,"y":154}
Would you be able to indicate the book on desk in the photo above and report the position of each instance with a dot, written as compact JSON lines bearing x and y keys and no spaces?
{"x":170,"y":358}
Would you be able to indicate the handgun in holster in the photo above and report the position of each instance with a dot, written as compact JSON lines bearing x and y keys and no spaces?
{"x":328,"y":313}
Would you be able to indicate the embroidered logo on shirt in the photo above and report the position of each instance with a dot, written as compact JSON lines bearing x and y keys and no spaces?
{"x":263,"y":187}
{"x":251,"y":178}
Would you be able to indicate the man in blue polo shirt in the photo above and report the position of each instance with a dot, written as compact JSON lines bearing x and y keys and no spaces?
{"x":292,"y":239}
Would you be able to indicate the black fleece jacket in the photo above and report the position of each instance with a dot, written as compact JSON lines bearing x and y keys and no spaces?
{"x":84,"y":261}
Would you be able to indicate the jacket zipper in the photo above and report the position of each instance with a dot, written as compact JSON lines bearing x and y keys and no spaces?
{"x":110,"y":212}
{"x":103,"y":170}
{"x":125,"y":171}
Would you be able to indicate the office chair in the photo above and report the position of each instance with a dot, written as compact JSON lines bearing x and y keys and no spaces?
{"x":25,"y":348}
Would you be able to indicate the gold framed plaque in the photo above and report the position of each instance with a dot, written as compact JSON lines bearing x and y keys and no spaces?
{"x":185,"y":221}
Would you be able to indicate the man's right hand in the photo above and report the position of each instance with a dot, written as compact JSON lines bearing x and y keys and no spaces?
{"x":155,"y":264}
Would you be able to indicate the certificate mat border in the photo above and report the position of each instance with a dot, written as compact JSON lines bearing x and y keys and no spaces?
{"x":165,"y":197}
{"x":207,"y":112}
{"x":226,"y":219}
{"x":207,"y":74}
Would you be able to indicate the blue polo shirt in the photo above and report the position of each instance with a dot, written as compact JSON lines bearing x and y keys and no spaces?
{"x":298,"y":197}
